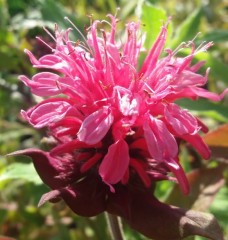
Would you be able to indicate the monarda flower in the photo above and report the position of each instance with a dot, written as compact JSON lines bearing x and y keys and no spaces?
{"x":115,"y":125}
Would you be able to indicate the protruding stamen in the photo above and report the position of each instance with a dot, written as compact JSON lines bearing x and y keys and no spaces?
{"x":80,"y":33}
{"x":41,"y":40}
{"x":48,"y":32}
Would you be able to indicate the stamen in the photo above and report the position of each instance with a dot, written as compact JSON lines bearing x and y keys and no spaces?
{"x":105,"y":21}
{"x":180,"y":47}
{"x":58,"y":84}
{"x":150,"y":90}
{"x":204,"y":46}
{"x":48,"y":32}
{"x":41,"y":40}
{"x":80,"y":33}
{"x":80,"y":44}
{"x":90,"y":16}
{"x":196,"y":36}
{"x":77,"y":43}
{"x":117,"y":10}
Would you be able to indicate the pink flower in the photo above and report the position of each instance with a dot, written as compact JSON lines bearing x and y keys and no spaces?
{"x":113,"y":122}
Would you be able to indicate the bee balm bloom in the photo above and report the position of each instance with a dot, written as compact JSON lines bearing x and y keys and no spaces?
{"x":114,"y":124}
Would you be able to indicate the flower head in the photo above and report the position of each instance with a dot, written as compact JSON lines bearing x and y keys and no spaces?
{"x":114,"y":124}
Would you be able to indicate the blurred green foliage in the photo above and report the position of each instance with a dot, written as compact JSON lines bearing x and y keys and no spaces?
{"x":21,"y":21}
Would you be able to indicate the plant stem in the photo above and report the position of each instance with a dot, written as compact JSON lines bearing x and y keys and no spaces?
{"x":115,"y":227}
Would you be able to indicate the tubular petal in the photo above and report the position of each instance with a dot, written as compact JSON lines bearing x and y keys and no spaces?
{"x":95,"y":126}
{"x":178,"y":171}
{"x":43,"y":84}
{"x":181,"y":121}
{"x":46,"y":112}
{"x":197,"y":142}
{"x":115,"y":163}
{"x":161,"y":143}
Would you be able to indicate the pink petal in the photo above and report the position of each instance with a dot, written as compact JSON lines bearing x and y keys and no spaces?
{"x":140,"y":169}
{"x":180,"y":120}
{"x":161,"y":143}
{"x":49,"y":61}
{"x":203,"y":127}
{"x":200,"y":92}
{"x":90,"y":162}
{"x":178,"y":171}
{"x":194,"y":93}
{"x":132,"y":46}
{"x":95,"y":126}
{"x":43,"y":84}
{"x":152,"y":142}
{"x":129,"y":104}
{"x":32,"y":58}
{"x":68,"y":147}
{"x":95,"y":45}
{"x":155,"y":52}
{"x":115,"y":163}
{"x":46,"y":112}
{"x":188,"y":78}
{"x":197,"y":142}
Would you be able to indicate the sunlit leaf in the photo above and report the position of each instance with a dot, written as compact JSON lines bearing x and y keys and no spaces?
{"x":188,"y":29}
{"x":128,"y":7}
{"x":219,"y":206}
{"x":14,"y":134}
{"x":218,"y":69}
{"x":54,"y":12}
{"x":204,"y":107}
{"x":152,"y":18}
{"x":24,"y":171}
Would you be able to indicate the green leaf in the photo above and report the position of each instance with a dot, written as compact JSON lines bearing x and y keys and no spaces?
{"x":219,"y":69}
{"x":188,"y":29}
{"x":215,"y":36}
{"x":25,"y":171}
{"x":219,"y":207}
{"x":14,"y":134}
{"x":153,"y":18}
{"x":54,"y":12}
{"x":127,"y":7}
{"x":4,"y":14}
{"x":203,"y":107}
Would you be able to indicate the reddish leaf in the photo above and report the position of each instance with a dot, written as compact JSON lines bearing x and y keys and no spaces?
{"x":159,"y":221}
{"x":204,"y":184}
{"x":6,"y":238}
{"x":49,"y":168}
{"x":217,"y":140}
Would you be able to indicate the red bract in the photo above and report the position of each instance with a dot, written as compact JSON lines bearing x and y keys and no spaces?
{"x":113,"y":124}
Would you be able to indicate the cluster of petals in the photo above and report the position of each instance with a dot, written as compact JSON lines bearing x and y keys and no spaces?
{"x":111,"y":118}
